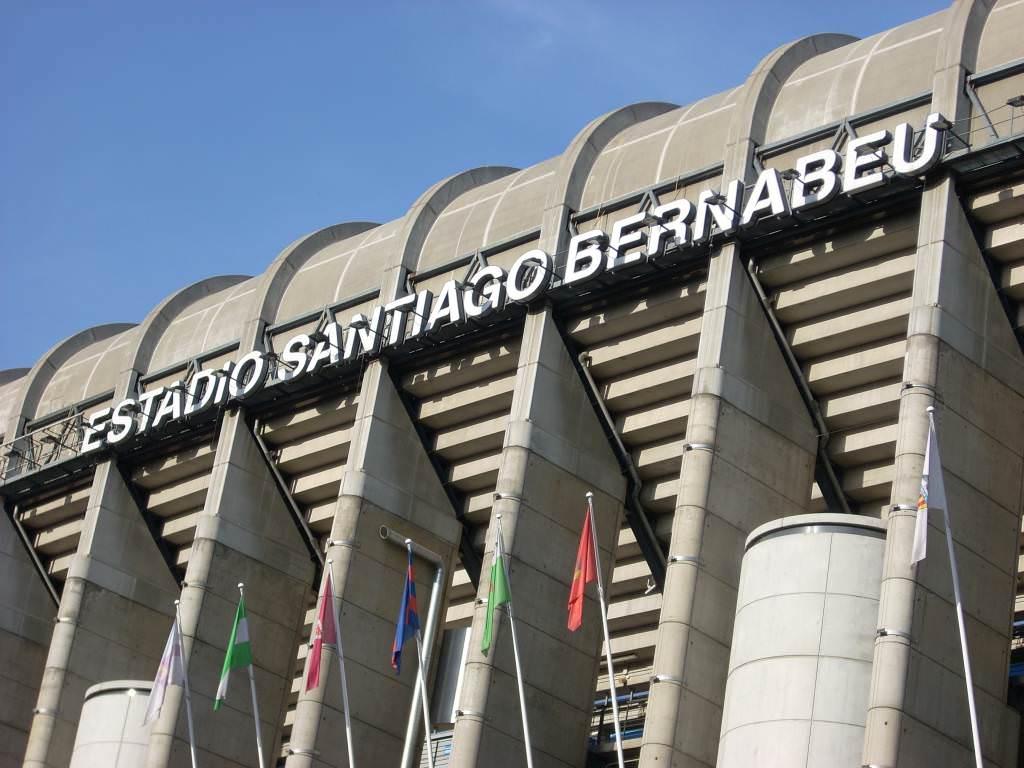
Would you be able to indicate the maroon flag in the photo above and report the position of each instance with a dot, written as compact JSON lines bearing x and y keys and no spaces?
{"x":324,"y":631}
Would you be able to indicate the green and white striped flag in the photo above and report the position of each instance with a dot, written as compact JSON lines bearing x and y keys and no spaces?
{"x":239,"y":651}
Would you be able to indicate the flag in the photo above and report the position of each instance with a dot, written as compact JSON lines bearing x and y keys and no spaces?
{"x":325,"y":631}
{"x":408,"y":618}
{"x":497,"y":594}
{"x":933,"y":494}
{"x":239,"y":653}
{"x":170,"y":672}
{"x":584,"y":573}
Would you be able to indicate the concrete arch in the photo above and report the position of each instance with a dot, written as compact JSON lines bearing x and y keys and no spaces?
{"x":282,"y":269}
{"x":576,"y":162}
{"x":957,"y":54}
{"x":424,"y":212}
{"x":160,"y":317}
{"x":579,"y":156}
{"x":758,"y":94}
{"x":40,"y":374}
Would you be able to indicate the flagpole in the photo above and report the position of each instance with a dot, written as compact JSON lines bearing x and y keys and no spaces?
{"x":255,"y":705}
{"x":954,"y":570}
{"x":604,"y":625}
{"x":188,"y":693}
{"x":421,"y":680}
{"x":341,"y":669}
{"x":500,"y":554}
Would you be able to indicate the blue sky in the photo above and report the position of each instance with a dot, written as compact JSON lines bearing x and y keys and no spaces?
{"x":145,"y":146}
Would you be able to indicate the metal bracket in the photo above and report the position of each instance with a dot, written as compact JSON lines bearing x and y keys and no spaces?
{"x":979,"y":108}
{"x":883,"y":632}
{"x":695,"y":559}
{"x":666,"y":679}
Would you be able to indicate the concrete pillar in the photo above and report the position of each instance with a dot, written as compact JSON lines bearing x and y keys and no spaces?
{"x":962,"y":358}
{"x":113,"y":616}
{"x":26,"y":624}
{"x":110,"y":731}
{"x":750,"y":460}
{"x":245,"y":534}
{"x":554,"y":452}
{"x":388,"y":480}
{"x":800,"y":666}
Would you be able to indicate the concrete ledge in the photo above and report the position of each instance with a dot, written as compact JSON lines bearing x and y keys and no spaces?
{"x":852,"y":522}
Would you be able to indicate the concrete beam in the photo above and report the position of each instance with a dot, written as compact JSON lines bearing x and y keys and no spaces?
{"x":554,"y":452}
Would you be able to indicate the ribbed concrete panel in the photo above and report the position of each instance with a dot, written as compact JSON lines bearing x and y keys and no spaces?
{"x":462,"y":406}
{"x":309,"y":444}
{"x":172,"y":489}
{"x":54,"y":524}
{"x":554,"y":451}
{"x":821,"y":294}
{"x":642,"y":353}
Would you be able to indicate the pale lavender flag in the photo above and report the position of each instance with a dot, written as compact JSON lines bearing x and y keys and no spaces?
{"x":933,"y":494}
{"x":170,"y":672}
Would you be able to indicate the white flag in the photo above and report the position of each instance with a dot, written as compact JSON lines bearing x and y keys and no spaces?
{"x":933,"y":494}
{"x":170,"y":672}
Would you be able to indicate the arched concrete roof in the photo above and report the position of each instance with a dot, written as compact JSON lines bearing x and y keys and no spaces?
{"x":488,"y":214}
{"x":1000,"y":40}
{"x":660,"y":148}
{"x":865,"y":74}
{"x":431,"y":205}
{"x":285,"y":287}
{"x":90,"y":371}
{"x":26,"y":405}
{"x":189,"y":308}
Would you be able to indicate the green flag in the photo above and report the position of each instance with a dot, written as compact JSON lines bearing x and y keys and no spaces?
{"x":239,"y":652}
{"x":497,"y":594}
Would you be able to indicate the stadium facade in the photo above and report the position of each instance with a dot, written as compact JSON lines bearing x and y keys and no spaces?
{"x":726,"y":319}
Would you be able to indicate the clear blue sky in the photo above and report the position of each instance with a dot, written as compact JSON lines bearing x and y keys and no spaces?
{"x":144,"y":146}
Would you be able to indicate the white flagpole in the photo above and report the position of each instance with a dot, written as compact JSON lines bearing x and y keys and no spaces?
{"x":604,"y":624}
{"x":341,"y":670}
{"x":968,"y":678}
{"x":252,"y":688}
{"x":422,"y":680}
{"x":499,"y":553}
{"x":188,"y":693}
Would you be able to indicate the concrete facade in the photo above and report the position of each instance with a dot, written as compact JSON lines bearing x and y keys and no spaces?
{"x":782,"y":372}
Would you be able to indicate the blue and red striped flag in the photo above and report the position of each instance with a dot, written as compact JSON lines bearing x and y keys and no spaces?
{"x":408,"y":618}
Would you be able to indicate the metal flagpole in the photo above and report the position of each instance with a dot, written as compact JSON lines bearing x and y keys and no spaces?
{"x":968,"y":678}
{"x":604,"y":625}
{"x":252,"y":687}
{"x":341,"y":669}
{"x":500,"y":554}
{"x":422,"y":680}
{"x":188,"y":693}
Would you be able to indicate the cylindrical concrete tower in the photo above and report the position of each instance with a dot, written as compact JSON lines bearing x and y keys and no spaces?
{"x":802,"y":643}
{"x":110,"y":732}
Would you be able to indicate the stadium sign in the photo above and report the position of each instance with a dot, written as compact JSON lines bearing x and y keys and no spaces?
{"x":675,"y":226}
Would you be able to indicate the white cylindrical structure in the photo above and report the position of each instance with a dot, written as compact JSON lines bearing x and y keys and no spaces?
{"x":110,"y":731}
{"x":802,"y":644}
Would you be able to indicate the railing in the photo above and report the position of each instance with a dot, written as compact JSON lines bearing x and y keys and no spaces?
{"x":632,"y":713}
{"x":41,"y":447}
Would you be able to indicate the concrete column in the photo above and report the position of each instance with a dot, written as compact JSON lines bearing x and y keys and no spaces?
{"x":554,"y":452}
{"x":750,"y":460}
{"x":26,"y":624}
{"x":962,"y":357}
{"x":388,"y":480}
{"x":245,"y":534}
{"x":113,"y":616}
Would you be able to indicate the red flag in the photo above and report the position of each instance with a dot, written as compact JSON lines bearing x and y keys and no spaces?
{"x":584,"y":573}
{"x":324,"y":631}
